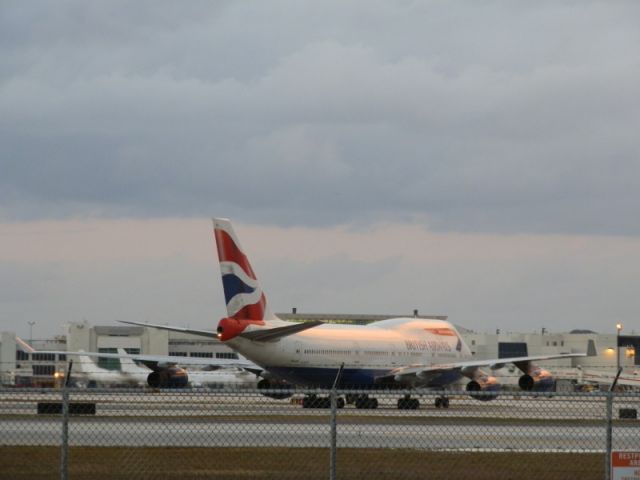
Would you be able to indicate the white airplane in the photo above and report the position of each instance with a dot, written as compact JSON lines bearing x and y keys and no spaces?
{"x":394,"y":353}
{"x":629,"y":378}
{"x":165,"y":372}
{"x":89,"y":374}
{"x":220,"y":377}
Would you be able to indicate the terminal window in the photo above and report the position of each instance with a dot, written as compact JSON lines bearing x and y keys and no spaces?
{"x":43,"y":357}
{"x":43,"y":369}
{"x":512,"y":349}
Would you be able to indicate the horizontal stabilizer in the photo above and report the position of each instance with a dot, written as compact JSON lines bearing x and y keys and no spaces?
{"x":202,"y":333}
{"x":266,"y":335}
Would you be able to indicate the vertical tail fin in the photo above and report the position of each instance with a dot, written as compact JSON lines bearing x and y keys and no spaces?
{"x":243,"y":295}
{"x":127,"y":365}
{"x":86,"y":365}
{"x":24,"y":346}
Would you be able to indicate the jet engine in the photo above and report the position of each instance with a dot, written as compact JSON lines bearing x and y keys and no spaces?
{"x":537,"y":380}
{"x":168,"y":377}
{"x":281,"y":389}
{"x":484,"y":387}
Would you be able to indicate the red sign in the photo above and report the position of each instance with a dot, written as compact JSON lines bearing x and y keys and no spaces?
{"x":625,"y":465}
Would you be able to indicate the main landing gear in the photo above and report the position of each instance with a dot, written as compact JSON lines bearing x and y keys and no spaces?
{"x":442,"y":402}
{"x":313,"y":401}
{"x":363,"y":401}
{"x":408,"y":403}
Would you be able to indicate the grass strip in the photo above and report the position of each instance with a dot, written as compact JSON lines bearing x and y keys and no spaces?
{"x":95,"y":463}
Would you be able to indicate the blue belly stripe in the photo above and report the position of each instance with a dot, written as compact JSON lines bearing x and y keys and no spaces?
{"x":323,"y":377}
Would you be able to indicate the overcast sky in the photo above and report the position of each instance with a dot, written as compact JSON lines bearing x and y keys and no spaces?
{"x":475,"y":159}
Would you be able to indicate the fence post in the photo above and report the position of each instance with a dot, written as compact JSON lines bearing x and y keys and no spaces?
{"x":333,"y":399}
{"x":334,"y":411}
{"x":64,"y":452}
{"x":607,"y":462}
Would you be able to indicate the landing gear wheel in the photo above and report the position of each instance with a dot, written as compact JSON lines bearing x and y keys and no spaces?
{"x":438,"y":402}
{"x":408,"y":403}
{"x":366,"y":402}
{"x":340,"y":402}
{"x":445,"y":402}
{"x":309,"y":401}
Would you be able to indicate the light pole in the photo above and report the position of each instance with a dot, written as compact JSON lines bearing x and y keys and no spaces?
{"x":618,"y":329}
{"x":31,"y":324}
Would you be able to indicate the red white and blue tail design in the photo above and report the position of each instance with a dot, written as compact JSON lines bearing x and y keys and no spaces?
{"x":244,"y":298}
{"x":249,"y":315}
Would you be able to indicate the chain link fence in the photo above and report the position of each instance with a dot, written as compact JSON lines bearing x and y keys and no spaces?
{"x":237,"y":434}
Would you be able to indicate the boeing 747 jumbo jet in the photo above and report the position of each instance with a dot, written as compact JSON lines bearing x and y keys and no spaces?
{"x":395,"y":353}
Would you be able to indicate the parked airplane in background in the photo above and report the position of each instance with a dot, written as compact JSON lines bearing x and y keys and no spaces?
{"x":627,"y":379}
{"x":218,"y":377}
{"x":394,"y":353}
{"x":88,"y":373}
{"x":165,"y":372}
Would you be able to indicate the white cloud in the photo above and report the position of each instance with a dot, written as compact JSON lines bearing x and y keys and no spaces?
{"x":166,"y":271}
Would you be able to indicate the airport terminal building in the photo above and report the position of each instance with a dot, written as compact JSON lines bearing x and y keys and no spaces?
{"x":19,"y":366}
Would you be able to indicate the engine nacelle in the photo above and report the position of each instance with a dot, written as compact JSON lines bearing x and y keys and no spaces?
{"x":273,"y":384}
{"x":169,"y":377}
{"x":484,"y":388}
{"x":537,"y":380}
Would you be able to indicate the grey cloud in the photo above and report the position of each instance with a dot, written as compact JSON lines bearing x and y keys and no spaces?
{"x":483,"y":117}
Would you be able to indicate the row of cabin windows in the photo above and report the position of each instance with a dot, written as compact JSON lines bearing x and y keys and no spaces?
{"x":378,"y":353}
{"x":328,"y":352}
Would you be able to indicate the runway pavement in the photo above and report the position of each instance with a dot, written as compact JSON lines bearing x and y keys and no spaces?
{"x":241,"y":419}
{"x":192,"y":432}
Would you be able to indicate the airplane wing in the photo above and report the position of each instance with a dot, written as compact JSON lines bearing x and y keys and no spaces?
{"x":202,"y":333}
{"x":467,"y":367}
{"x":154,"y":360}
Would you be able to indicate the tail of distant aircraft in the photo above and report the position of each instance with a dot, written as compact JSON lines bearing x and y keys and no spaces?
{"x":24,"y":346}
{"x":127,"y":365}
{"x":86,"y":365}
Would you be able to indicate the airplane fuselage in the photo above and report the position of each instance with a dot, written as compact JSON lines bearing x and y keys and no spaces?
{"x":313,"y":357}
